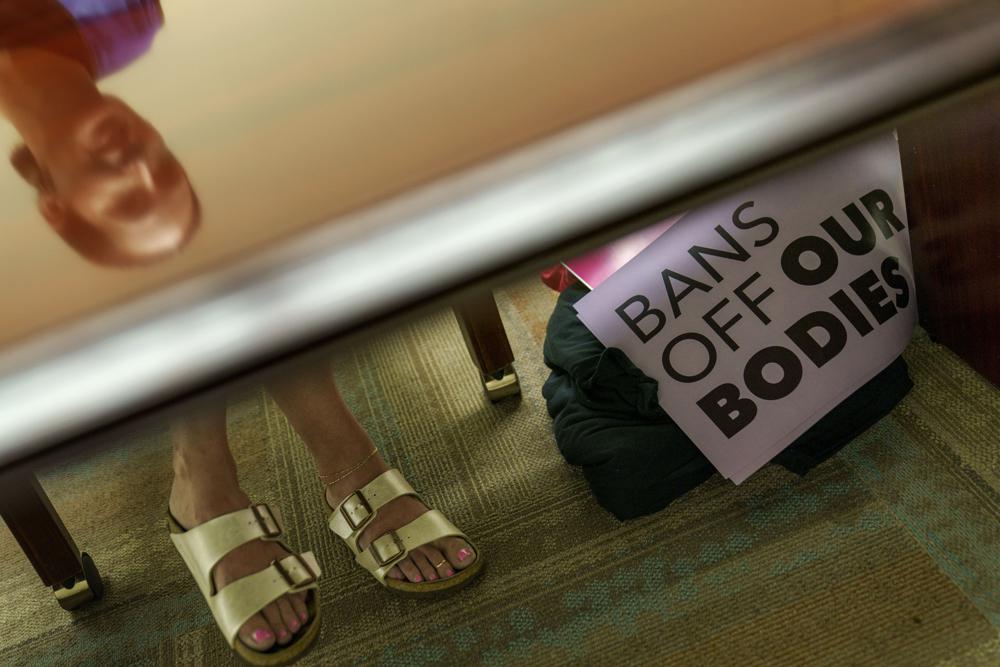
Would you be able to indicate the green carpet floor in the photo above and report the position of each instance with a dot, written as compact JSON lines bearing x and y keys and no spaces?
{"x":889,"y":554}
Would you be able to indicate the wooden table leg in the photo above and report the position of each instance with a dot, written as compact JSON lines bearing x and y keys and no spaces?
{"x":951,"y":162}
{"x":45,"y":541}
{"x":488,"y":345}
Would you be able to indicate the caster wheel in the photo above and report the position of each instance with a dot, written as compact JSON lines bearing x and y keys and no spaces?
{"x":77,"y":592}
{"x":501,"y":384}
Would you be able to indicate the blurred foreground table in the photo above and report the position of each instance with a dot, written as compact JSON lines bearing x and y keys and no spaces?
{"x":352,"y":160}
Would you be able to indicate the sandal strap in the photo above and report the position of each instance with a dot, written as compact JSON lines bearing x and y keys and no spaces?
{"x":383,"y":553}
{"x":203,"y":546}
{"x":359,"y":509}
{"x":241,"y":599}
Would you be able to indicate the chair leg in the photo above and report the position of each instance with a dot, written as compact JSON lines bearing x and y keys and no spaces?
{"x":44,"y":539}
{"x":488,"y":346}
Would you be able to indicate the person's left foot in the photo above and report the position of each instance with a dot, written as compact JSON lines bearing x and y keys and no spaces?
{"x":429,"y":562}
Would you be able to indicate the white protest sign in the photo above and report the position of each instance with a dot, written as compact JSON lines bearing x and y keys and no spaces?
{"x":761,"y":312}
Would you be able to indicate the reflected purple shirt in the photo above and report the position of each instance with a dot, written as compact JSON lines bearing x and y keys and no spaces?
{"x":116,"y":31}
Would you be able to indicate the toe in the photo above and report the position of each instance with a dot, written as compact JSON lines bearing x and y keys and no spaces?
{"x":438,"y":561}
{"x":411,"y":571}
{"x":298,"y":601}
{"x":424,"y":565}
{"x":394,"y":573}
{"x":257,"y":634}
{"x":273,"y":616}
{"x":288,"y":615}
{"x":459,"y":552}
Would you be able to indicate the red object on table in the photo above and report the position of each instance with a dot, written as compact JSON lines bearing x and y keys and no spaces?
{"x":594,"y":268}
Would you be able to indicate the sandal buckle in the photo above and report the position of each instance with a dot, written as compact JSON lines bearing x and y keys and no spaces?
{"x":397,"y":541}
{"x":350,"y":508}
{"x":266,"y":521}
{"x":296,"y":577}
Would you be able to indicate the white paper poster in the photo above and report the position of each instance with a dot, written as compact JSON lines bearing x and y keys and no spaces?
{"x":759,"y":313}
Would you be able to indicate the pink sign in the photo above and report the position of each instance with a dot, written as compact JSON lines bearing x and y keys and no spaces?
{"x":759,"y":313}
{"x":594,"y":268}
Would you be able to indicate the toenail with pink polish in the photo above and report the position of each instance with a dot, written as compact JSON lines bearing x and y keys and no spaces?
{"x":282,"y":634}
{"x":304,"y":616}
{"x":262,"y":636}
{"x":294,"y":626}
{"x":417,"y":578}
{"x":432,"y":577}
{"x":449,"y":572}
{"x":464,"y":553}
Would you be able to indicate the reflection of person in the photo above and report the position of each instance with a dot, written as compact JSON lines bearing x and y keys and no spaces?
{"x":106,"y":182}
{"x":108,"y":185}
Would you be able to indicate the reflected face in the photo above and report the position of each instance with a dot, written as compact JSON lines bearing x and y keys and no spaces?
{"x":110,"y":181}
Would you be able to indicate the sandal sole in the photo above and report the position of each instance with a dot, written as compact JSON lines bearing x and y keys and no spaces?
{"x":438,"y":588}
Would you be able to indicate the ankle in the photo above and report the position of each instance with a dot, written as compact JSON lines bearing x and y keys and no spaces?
{"x":194,"y":502}
{"x":336,"y":492}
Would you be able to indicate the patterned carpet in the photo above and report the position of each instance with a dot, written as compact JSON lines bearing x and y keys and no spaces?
{"x":888,"y":554}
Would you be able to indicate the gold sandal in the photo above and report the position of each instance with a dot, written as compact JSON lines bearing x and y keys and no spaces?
{"x":349,"y":520}
{"x":203,"y":546}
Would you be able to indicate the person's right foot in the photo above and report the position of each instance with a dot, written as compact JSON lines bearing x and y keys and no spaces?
{"x":278,"y":621}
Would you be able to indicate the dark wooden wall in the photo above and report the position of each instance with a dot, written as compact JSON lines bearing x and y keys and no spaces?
{"x":951,"y":171}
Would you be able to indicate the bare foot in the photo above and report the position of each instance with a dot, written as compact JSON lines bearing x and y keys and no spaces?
{"x":278,"y":621}
{"x":429,"y":562}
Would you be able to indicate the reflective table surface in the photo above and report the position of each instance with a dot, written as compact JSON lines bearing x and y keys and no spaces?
{"x":197,"y":186}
